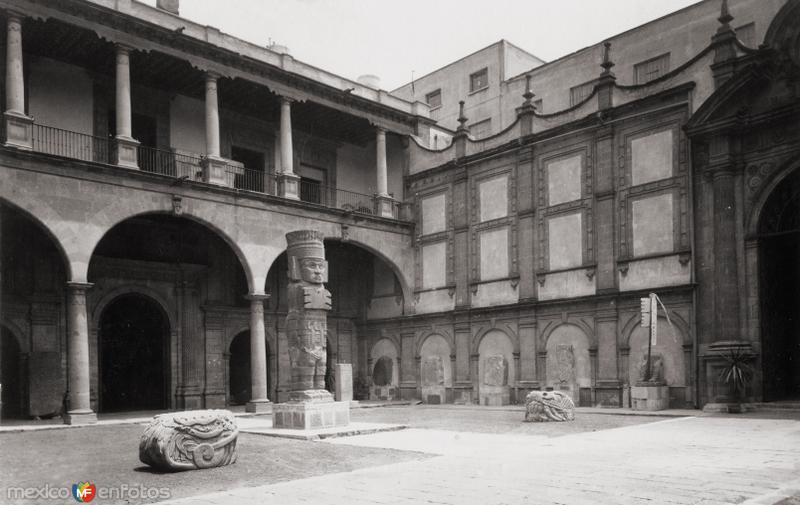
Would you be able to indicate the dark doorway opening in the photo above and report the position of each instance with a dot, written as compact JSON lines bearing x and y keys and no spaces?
{"x":134,"y":355}
{"x":779,"y":286}
{"x":239,"y":379}
{"x":10,"y":376}
{"x":239,"y":384}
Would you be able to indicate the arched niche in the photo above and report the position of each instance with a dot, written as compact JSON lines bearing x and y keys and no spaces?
{"x":436,"y":373}
{"x":385,"y":371}
{"x":568,"y":367}
{"x":668,"y":351}
{"x":496,"y":368}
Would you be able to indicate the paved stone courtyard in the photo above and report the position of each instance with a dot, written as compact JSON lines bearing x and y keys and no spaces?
{"x":452,"y":455}
{"x":704,"y":461}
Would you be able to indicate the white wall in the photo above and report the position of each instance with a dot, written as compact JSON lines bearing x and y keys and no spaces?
{"x":60,"y":95}
{"x":187,"y":125}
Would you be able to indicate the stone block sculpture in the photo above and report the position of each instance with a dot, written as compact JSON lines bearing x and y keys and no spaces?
{"x":549,"y":406}
{"x":310,"y":406}
{"x":307,"y":319}
{"x":190,"y":440}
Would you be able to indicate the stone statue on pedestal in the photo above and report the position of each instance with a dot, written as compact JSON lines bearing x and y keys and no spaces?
{"x":310,"y":406}
{"x":307,"y":320}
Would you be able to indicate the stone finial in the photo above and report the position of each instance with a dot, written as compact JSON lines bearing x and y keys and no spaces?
{"x":725,"y":17}
{"x":529,"y":94}
{"x":607,"y":63}
{"x":462,"y":119}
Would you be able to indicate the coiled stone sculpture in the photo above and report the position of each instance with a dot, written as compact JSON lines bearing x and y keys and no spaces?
{"x":190,"y":440}
{"x":549,"y":406}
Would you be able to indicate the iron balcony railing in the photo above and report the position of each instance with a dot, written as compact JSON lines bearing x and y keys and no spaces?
{"x":189,"y":166}
{"x":69,"y":144}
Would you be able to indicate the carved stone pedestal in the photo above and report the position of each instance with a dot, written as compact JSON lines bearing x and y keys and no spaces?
{"x":310,"y":415}
{"x":650,"y":397}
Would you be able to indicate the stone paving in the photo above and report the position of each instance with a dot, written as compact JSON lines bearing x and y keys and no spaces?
{"x":703,"y":461}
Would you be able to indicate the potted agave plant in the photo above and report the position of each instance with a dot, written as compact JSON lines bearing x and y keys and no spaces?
{"x":737,"y":374}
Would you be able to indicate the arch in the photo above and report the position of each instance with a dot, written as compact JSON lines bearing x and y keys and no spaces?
{"x":568,"y":364}
{"x":134,"y":354}
{"x":778,"y":176}
{"x":481,"y":334}
{"x":423,"y":337}
{"x":497,"y":371}
{"x":211,"y":227}
{"x":587,"y":331}
{"x":385,"y":348}
{"x":48,"y":232}
{"x":136,"y":289}
{"x":15,"y":332}
{"x":668,"y":345}
{"x":677,"y":320}
{"x":783,"y":32}
{"x":405,"y":284}
{"x":435,"y":368}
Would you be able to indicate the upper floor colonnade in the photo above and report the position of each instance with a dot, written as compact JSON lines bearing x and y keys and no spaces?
{"x":334,"y":119}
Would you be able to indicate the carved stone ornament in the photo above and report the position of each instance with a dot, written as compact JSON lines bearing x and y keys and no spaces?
{"x":543,"y":406}
{"x":190,"y":440}
{"x":307,"y":320}
{"x":495,"y":371}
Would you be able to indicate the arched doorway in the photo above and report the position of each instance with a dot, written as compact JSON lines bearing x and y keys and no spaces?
{"x":779,"y":285}
{"x":10,"y":375}
{"x":134,"y":355}
{"x":239,"y":378}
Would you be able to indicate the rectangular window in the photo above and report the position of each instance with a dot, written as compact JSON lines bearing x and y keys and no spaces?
{"x":577,"y":94}
{"x":651,"y":69}
{"x":479,"y":80}
{"x":434,"y":99}
{"x":747,"y":34}
{"x":481,"y":129}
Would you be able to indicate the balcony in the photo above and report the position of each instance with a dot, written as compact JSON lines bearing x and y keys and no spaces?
{"x":187,"y":166}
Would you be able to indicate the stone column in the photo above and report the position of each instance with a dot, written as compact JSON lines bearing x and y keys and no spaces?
{"x":382,"y":199}
{"x":80,"y":410}
{"x":214,"y":167}
{"x":126,"y":153}
{"x":288,"y":181}
{"x":19,"y":126}
{"x":258,"y":356}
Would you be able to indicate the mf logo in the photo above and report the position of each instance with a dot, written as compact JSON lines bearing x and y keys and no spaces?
{"x":84,"y":491}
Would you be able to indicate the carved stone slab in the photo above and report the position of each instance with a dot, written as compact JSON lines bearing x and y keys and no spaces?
{"x":549,"y":406}
{"x":190,"y":440}
{"x":495,"y":371}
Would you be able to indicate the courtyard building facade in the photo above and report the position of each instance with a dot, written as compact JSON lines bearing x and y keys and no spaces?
{"x":153,"y":166}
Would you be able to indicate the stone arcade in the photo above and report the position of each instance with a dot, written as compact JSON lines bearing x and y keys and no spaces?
{"x":478,"y":251}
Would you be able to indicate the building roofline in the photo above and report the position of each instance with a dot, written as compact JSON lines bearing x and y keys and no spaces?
{"x":222,"y":40}
{"x":610,"y":38}
{"x":473,"y":53}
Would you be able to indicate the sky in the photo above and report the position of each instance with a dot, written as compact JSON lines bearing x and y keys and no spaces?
{"x":392,"y":39}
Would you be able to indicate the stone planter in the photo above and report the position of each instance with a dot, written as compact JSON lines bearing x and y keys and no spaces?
{"x":650,"y":396}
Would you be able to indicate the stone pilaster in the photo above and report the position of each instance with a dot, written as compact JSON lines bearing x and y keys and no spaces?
{"x":192,"y":347}
{"x":80,"y":411}
{"x":19,"y":126}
